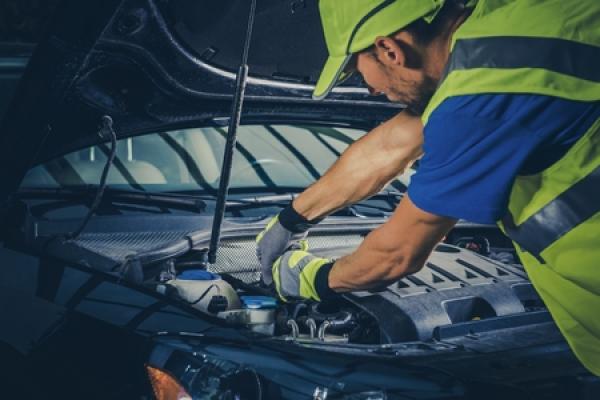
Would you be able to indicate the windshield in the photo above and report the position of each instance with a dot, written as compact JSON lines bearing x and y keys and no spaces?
{"x":268,"y":158}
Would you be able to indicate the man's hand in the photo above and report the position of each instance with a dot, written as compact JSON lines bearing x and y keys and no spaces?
{"x":283,"y":231}
{"x":296,"y":275}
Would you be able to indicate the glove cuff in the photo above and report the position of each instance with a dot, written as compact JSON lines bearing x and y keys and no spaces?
{"x":291,"y":220}
{"x":322,"y":283}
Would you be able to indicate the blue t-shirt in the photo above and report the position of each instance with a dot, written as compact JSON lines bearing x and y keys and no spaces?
{"x":476,"y":145}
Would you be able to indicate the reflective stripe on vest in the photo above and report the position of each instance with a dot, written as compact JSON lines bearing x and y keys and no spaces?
{"x":558,"y":55}
{"x":578,"y":203}
{"x":508,"y":64}
{"x":547,"y":47}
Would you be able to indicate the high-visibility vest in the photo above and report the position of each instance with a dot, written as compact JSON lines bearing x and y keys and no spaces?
{"x":546,"y":47}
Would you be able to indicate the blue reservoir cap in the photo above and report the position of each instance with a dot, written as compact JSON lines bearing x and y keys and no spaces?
{"x":257,"y":302}
{"x":198,"y":275}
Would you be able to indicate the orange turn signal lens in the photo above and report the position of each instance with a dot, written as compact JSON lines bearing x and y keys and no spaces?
{"x":165,"y":386}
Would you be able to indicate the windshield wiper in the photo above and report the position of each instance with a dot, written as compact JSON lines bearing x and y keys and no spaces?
{"x":262,"y":201}
{"x":187,"y":203}
{"x":283,"y":200}
{"x":389,"y":194}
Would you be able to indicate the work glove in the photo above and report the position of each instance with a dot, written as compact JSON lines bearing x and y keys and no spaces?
{"x":283,"y":232}
{"x":301,"y":275}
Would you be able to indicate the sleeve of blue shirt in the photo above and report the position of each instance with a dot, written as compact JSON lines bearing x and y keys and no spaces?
{"x":475,"y":146}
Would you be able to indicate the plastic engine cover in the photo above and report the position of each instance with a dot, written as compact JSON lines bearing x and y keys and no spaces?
{"x":454,"y":286}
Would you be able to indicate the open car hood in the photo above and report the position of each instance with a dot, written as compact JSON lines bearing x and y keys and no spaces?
{"x":159,"y":64}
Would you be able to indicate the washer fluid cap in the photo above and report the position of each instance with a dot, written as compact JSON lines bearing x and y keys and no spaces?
{"x":198,"y":275}
{"x":257,"y":302}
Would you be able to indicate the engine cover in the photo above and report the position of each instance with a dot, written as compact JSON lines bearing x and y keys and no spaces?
{"x":455,"y":286}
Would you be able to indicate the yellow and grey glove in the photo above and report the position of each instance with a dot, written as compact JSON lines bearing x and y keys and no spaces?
{"x":301,"y":275}
{"x":283,"y":232}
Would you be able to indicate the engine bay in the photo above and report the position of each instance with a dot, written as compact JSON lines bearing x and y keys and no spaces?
{"x":471,"y":282}
{"x":456,"y":288}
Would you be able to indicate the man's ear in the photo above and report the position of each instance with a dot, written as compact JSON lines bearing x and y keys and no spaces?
{"x":388,"y":51}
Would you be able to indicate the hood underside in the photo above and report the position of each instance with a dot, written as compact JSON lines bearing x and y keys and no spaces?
{"x":158,"y":64}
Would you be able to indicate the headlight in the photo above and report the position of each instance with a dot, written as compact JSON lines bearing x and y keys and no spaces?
{"x":205,"y":377}
{"x":220,"y":379}
{"x":243,"y":372}
{"x":165,"y":386}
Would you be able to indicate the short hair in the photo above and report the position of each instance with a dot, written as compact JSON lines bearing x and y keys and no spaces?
{"x":424,"y":32}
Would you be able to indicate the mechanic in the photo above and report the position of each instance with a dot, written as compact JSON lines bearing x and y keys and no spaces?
{"x":503,"y":99}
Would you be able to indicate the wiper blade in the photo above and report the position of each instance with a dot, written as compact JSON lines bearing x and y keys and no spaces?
{"x":283,"y":200}
{"x":251,"y":201}
{"x":262,"y":201}
{"x":355,"y":212}
{"x":389,"y":193}
{"x":268,"y":198}
{"x":190,"y":203}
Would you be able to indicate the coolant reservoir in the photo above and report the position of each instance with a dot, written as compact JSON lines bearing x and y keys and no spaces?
{"x":199,"y":288}
{"x":257,"y":314}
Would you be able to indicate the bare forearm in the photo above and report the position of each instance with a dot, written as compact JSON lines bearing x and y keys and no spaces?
{"x":397,"y":248}
{"x":365,"y":167}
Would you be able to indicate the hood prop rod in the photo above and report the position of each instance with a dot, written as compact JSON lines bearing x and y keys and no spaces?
{"x":234,"y":123}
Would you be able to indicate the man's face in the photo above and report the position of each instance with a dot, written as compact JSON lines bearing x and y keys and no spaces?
{"x":399,"y":83}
